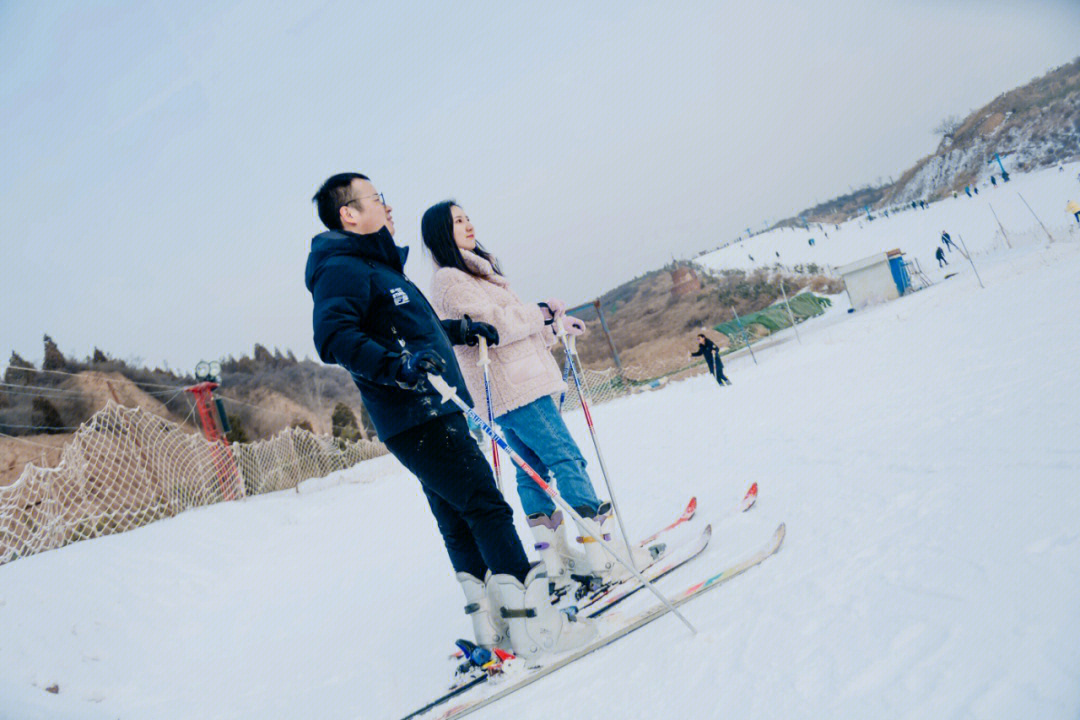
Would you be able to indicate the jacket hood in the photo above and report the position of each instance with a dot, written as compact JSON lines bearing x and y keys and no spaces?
{"x":377,"y":247}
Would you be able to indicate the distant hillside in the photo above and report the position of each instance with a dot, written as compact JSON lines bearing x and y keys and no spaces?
{"x":40,"y":407}
{"x":654,"y":328}
{"x":1032,"y":126}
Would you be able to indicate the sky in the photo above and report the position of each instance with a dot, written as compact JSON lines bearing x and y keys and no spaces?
{"x":157,"y":160}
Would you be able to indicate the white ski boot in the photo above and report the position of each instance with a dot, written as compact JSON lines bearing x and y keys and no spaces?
{"x":536,"y":627}
{"x":551,"y":543}
{"x":599,"y":562}
{"x":483,"y":609}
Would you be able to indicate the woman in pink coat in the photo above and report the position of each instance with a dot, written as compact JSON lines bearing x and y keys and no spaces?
{"x":524,"y":376}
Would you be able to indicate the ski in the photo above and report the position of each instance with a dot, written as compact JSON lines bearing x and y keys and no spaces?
{"x":749,"y":498}
{"x":612,"y":594}
{"x":666,"y":566}
{"x":747,"y":502}
{"x":599,"y":605}
{"x":671,"y":562}
{"x":529,"y":676}
{"x":685,"y":516}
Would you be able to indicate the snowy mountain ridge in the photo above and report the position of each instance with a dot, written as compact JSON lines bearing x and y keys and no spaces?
{"x":1033,"y":126}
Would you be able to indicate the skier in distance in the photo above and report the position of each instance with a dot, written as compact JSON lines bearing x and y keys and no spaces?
{"x":708,"y":349}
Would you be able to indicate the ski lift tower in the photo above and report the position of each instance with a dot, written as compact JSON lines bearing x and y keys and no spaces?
{"x":215,"y":426}
{"x":1004,"y":175}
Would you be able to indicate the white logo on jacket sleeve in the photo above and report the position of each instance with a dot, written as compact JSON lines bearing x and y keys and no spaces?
{"x":400,"y":298}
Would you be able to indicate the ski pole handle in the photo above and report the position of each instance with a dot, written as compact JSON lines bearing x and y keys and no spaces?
{"x":482,"y":348}
{"x":567,"y":339}
{"x":560,"y":331}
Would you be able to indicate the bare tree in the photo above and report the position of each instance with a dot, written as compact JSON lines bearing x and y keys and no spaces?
{"x":948,"y":127}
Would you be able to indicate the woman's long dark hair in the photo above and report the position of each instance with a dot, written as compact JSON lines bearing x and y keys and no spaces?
{"x":437,"y":229}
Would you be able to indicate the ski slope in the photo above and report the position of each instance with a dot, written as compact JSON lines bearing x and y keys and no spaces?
{"x":923,"y":453}
{"x":918,"y":232}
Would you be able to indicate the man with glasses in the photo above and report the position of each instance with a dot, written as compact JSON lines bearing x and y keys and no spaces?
{"x":370,"y":319}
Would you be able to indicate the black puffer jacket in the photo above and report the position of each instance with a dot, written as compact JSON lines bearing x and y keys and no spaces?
{"x":367,"y":313}
{"x":709,"y":350}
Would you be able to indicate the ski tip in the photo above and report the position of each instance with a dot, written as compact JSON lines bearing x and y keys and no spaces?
{"x":691,"y":507}
{"x":778,"y":536}
{"x":707,"y":532}
{"x":750,"y":497}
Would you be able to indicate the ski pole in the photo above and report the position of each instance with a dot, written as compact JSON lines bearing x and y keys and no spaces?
{"x":746,"y":336}
{"x":566,"y":365}
{"x":570,"y":347}
{"x":450,"y":395}
{"x":968,"y":256}
{"x":565,"y":378}
{"x":484,"y":362}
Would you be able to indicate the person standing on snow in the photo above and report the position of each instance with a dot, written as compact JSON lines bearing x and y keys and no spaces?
{"x":370,"y":319}
{"x":720,"y":377}
{"x":940,"y":255}
{"x":524,"y":376}
{"x":946,"y":240}
{"x":708,"y":349}
{"x":1073,"y":208}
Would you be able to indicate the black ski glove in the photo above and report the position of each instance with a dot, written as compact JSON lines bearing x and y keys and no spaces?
{"x":479,"y":330}
{"x":466,"y":331}
{"x":413,"y":369}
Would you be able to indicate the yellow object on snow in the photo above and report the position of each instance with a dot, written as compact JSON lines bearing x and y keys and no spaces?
{"x":1072,"y":208}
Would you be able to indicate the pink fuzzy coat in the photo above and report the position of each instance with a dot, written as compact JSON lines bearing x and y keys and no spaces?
{"x":522,"y":368}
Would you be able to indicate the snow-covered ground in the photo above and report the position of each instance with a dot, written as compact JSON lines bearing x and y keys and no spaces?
{"x":924,"y":454}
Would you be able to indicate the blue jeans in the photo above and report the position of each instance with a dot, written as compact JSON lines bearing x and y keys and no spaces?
{"x":538,"y":434}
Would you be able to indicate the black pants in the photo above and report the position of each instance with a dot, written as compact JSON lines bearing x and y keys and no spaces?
{"x":474,"y":519}
{"x":717,"y":372}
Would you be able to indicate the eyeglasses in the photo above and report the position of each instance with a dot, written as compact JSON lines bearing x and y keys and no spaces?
{"x":382,"y":199}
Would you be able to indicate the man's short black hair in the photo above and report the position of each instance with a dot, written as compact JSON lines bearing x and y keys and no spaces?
{"x":332,"y":195}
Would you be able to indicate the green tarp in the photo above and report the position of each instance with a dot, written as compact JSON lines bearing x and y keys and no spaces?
{"x":775,"y":317}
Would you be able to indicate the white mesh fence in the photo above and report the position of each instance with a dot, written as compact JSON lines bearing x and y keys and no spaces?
{"x":126,"y":467}
{"x":1036,"y":236}
{"x":609,"y":383}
